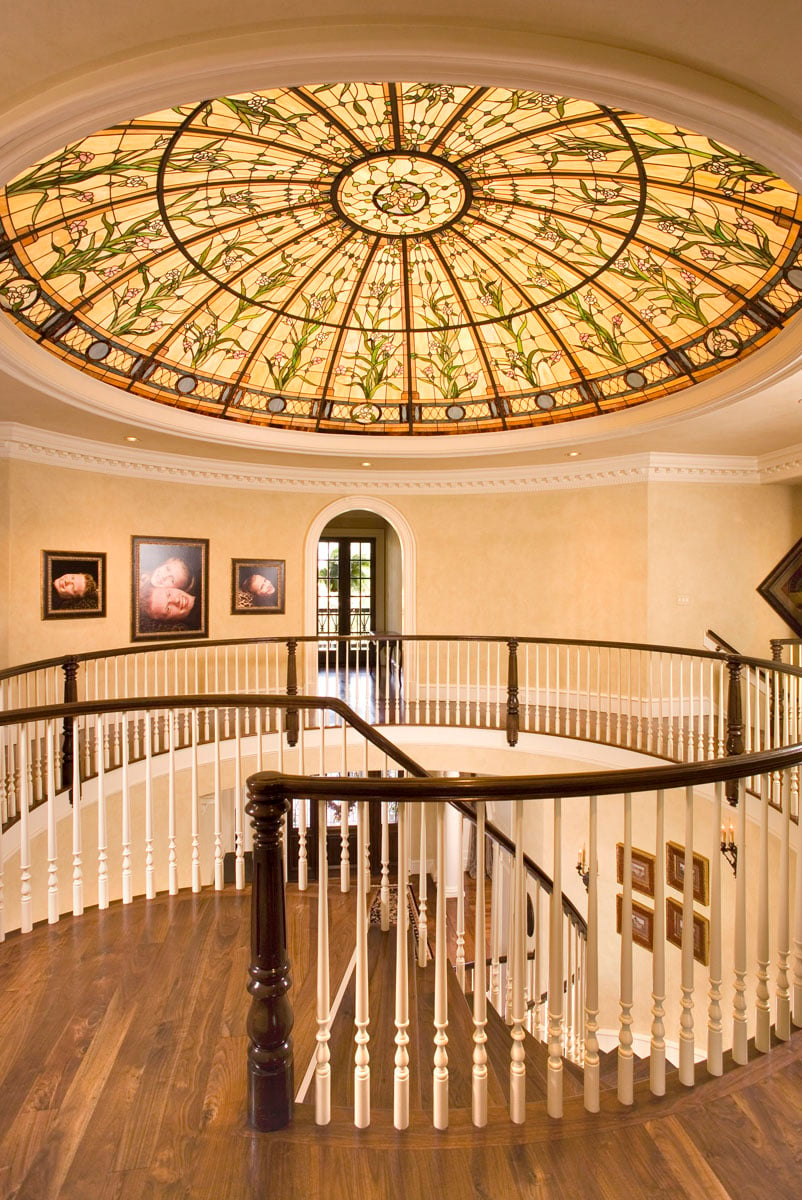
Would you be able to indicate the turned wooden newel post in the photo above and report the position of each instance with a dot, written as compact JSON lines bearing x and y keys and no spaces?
{"x":270,"y":1019}
{"x":70,"y":669}
{"x":291,"y":720}
{"x":735,"y":723}
{"x":512,"y":694}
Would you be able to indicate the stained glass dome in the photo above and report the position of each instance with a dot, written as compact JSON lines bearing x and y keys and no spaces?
{"x":399,"y":258}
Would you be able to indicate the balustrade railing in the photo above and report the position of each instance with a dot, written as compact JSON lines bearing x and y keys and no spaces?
{"x":109,"y":797}
{"x":679,"y":704}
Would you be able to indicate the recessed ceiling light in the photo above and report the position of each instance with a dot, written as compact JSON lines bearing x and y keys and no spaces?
{"x":129,"y":437}
{"x":572,"y":454}
{"x":367,"y":464}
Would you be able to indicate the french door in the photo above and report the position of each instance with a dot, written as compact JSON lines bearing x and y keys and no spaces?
{"x":346,"y":594}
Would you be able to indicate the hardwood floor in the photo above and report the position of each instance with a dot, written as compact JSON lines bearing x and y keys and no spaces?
{"x":122,"y":1077}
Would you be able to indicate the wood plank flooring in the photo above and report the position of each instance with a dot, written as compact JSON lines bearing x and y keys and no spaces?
{"x":122,"y":1077}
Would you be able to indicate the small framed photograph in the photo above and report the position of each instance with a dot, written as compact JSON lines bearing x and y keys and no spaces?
{"x":642,"y":869}
{"x":642,"y":922}
{"x":257,"y":585}
{"x":782,"y":588}
{"x":73,"y":584}
{"x":675,"y":872}
{"x":169,"y":588}
{"x":701,"y":930}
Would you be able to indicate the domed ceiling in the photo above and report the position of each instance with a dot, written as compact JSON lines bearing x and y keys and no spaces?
{"x":399,"y":258}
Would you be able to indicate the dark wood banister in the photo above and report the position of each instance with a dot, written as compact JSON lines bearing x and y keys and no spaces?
{"x":148,"y":647}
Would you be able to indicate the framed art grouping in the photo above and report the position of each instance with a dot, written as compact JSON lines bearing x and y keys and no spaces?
{"x":257,"y":585}
{"x":73,"y":584}
{"x":169,"y":588}
{"x":782,"y":588}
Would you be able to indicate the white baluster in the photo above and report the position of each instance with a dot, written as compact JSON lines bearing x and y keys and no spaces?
{"x":239,"y":838}
{"x":195,"y":805}
{"x":423,"y":925}
{"x":783,"y":1021}
{"x":686,"y":1037}
{"x":218,"y":807}
{"x":440,"y":1073}
{"x":495,"y":926}
{"x":715,"y":1065}
{"x":385,"y":869}
{"x":517,"y":957}
{"x":657,"y":1056}
{"x":361,"y":1009}
{"x":52,"y":843}
{"x":125,"y":832}
{"x":77,"y":859}
{"x":322,"y":1053}
{"x":172,"y":858}
{"x":625,"y":1055}
{"x":479,"y":1068}
{"x":739,"y":1025}
{"x":591,"y":966}
{"x":797,"y":988}
{"x":762,"y":1006}
{"x":554,"y":1085}
{"x":150,"y":882}
{"x":102,"y":836}
{"x":26,"y":897}
{"x":401,"y":1069}
{"x":460,"y":956}
{"x":303,"y":871}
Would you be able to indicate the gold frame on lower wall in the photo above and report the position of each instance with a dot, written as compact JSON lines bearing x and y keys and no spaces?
{"x":642,"y":922}
{"x":675,"y":872}
{"x":701,"y":930}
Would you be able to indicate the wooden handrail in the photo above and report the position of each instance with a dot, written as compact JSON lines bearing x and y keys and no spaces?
{"x":216,"y":701}
{"x":422,"y":787}
{"x":307,"y":639}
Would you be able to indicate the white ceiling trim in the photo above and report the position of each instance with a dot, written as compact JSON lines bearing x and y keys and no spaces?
{"x":26,"y":444}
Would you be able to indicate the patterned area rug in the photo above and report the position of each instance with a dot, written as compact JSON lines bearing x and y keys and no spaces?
{"x":375,"y":916}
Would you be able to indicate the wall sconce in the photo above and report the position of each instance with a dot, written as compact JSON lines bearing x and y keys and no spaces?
{"x":582,"y":869}
{"x":729,"y":848}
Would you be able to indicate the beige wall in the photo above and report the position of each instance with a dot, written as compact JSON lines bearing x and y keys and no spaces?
{"x":597,"y":563}
{"x":714,"y":544}
{"x":4,"y":558}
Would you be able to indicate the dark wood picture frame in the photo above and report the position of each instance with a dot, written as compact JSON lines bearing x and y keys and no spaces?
{"x":169,"y":588}
{"x":675,"y":872}
{"x":701,"y":930}
{"x":642,"y":922}
{"x":642,"y":869}
{"x":73,"y":584}
{"x":266,"y":573}
{"x":782,"y":588}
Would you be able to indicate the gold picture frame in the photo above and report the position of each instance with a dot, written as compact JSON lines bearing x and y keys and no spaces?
{"x":642,"y":869}
{"x":642,"y":922}
{"x":675,"y":872}
{"x":701,"y":930}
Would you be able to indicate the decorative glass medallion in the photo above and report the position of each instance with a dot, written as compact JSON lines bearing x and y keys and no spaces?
{"x":400,"y":258}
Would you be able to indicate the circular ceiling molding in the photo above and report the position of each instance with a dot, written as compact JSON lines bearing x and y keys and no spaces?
{"x":400,"y":258}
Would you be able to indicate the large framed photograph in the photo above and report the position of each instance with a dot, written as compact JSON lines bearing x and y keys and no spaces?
{"x":169,"y":588}
{"x":701,"y":930}
{"x":642,"y":869}
{"x":675,"y":872}
{"x":257,"y":585}
{"x":782,"y":588}
{"x":642,"y":922}
{"x":73,"y":584}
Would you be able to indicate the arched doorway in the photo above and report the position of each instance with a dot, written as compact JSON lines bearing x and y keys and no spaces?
{"x":398,"y":590}
{"x":367,"y":546}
